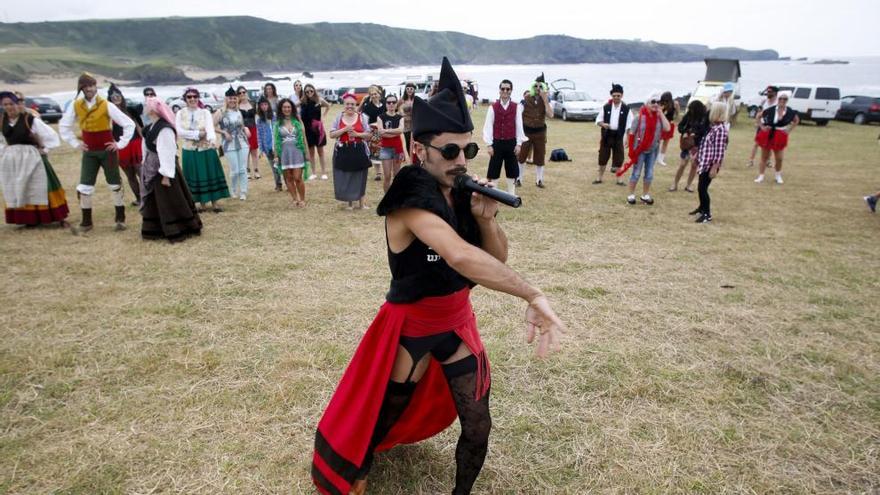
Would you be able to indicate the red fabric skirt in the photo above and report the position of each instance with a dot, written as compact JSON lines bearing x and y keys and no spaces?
{"x":97,"y":141}
{"x":347,"y":425}
{"x":667,"y":135}
{"x":395,"y":142}
{"x":252,"y":141}
{"x":131,"y":155}
{"x":779,"y":141}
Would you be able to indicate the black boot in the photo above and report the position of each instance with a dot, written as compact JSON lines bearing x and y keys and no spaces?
{"x":86,"y":224}
{"x":120,"y":218}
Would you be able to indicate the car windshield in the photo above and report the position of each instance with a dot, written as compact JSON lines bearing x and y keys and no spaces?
{"x":577,"y":96}
{"x":43,"y":100}
{"x":703,"y":91}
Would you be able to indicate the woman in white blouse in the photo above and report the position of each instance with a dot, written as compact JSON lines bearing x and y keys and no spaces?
{"x":201,"y":164}
{"x":31,"y":190}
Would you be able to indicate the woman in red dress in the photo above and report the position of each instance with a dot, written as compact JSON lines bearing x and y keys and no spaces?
{"x":777,"y":122}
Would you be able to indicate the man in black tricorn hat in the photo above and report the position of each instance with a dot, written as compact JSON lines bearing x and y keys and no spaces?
{"x":615,"y":121}
{"x":421,"y":363}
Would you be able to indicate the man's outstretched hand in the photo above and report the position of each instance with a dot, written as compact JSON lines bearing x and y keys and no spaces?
{"x":542,"y":321}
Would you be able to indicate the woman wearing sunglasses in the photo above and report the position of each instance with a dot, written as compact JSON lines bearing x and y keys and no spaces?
{"x":373,"y":107}
{"x":422,"y":363}
{"x":405,"y":104}
{"x":351,"y":157}
{"x":777,"y":123}
{"x":643,"y":148}
{"x":230,"y":121}
{"x":249,"y":114}
{"x":390,"y":130}
{"x":201,"y":164}
{"x":312,"y":109}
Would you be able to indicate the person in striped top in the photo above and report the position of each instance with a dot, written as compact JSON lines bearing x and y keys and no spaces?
{"x":710,"y":157}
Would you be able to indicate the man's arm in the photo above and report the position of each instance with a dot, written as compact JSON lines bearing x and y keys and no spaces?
{"x":481,"y":267}
{"x":119,"y":118}
{"x":488,"y":127}
{"x":65,"y":126}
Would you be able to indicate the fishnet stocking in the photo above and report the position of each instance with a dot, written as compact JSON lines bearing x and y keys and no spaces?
{"x":475,"y":425}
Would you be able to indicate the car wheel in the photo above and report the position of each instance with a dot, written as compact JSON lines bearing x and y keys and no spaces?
{"x":175,"y":108}
{"x":860,"y":119}
{"x":822,"y":122}
{"x":564,"y":115}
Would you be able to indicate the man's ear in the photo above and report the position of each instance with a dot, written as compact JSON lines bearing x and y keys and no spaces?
{"x":420,"y":150}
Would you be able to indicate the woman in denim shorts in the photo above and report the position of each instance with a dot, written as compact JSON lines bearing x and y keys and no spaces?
{"x":391,"y":131}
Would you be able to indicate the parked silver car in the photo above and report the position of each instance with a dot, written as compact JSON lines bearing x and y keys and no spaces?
{"x":575,"y":105}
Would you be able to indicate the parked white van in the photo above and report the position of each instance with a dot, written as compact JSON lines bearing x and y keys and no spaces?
{"x":815,"y":102}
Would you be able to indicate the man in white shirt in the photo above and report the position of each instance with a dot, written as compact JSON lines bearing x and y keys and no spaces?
{"x":616,"y":122}
{"x":503,"y":133}
{"x":96,"y":117}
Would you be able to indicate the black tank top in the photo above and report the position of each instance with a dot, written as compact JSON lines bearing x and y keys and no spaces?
{"x":418,"y":271}
{"x":249,"y":117}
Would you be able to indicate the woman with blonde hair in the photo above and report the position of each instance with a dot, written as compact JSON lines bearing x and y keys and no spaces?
{"x":312,"y":109}
{"x":405,"y":107}
{"x":777,"y":123}
{"x":710,"y":158}
{"x":373,"y":107}
{"x":230,"y":123}
{"x":290,"y":151}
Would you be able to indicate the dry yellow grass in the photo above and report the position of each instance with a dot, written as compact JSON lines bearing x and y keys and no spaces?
{"x":142,"y":367}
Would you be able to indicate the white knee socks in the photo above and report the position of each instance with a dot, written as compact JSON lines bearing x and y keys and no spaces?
{"x":539,"y":173}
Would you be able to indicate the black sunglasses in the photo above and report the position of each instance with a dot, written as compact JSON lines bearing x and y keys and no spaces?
{"x":192,"y":97}
{"x":450,"y":151}
{"x":506,"y":89}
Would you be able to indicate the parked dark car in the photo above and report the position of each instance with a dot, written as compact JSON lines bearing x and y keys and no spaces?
{"x":859,"y":109}
{"x":50,"y":110}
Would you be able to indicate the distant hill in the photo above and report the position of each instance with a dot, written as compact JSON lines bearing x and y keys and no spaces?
{"x":253,"y":43}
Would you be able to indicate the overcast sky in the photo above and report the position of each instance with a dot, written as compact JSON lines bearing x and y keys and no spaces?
{"x":811,"y":28}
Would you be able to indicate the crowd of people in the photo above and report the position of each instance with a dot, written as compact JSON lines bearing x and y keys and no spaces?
{"x":375,"y":133}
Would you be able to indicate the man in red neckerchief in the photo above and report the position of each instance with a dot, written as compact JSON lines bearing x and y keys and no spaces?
{"x":421,"y":363}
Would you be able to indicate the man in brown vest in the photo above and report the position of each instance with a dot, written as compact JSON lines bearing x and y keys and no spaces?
{"x":536,"y":111}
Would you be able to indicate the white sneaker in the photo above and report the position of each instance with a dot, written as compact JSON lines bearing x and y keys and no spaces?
{"x":779,"y":179}
{"x":760,"y":179}
{"x":313,"y":177}
{"x":243,"y":197}
{"x":631,"y":199}
{"x":323,"y":176}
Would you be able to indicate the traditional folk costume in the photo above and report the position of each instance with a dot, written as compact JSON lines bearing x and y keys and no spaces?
{"x":351,"y":162}
{"x":503,"y":131}
{"x":169,"y":212}
{"x":31,"y":190}
{"x":612,"y":138}
{"x":534,"y":117}
{"x":96,"y":118}
{"x":201,"y":164}
{"x":130,"y":157}
{"x":427,"y":310}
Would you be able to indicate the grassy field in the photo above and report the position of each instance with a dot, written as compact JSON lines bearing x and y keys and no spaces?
{"x":734,"y":357}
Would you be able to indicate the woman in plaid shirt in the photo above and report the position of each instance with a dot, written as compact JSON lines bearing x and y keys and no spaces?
{"x":709,"y":158}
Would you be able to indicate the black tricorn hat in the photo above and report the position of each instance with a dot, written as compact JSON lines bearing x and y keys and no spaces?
{"x":446,"y":111}
{"x":540,"y":78}
{"x":616,"y":88}
{"x":114,"y":89}
{"x":231,"y":91}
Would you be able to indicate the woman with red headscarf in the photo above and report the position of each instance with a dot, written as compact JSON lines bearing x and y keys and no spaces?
{"x":167,"y":206}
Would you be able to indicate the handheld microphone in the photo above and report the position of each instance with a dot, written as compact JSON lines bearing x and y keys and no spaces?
{"x":465,"y":183}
